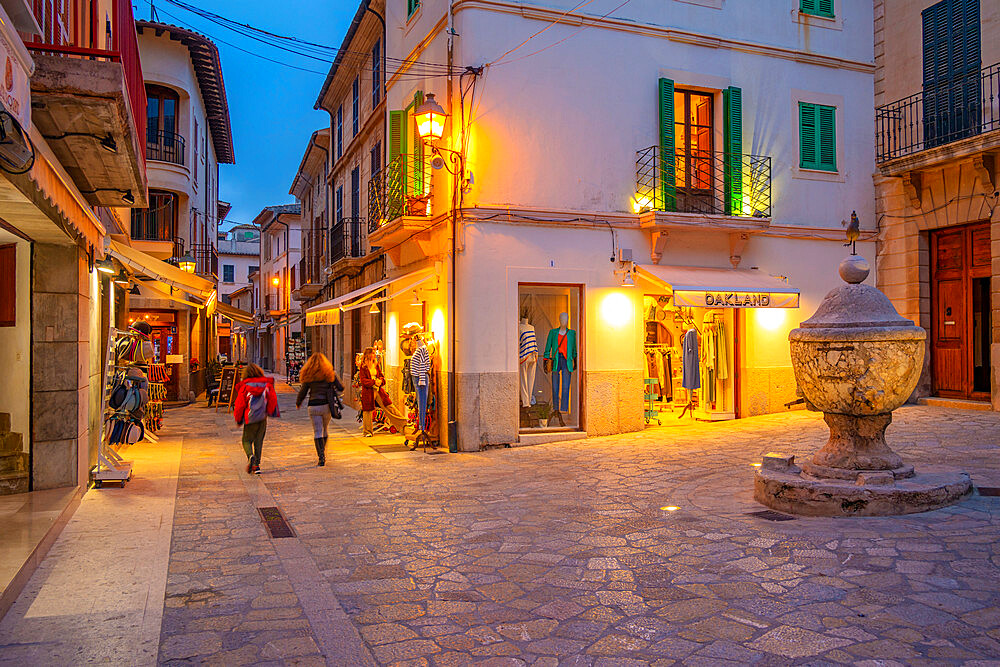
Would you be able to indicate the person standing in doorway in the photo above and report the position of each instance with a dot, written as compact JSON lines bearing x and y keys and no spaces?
{"x":373,"y":394}
{"x":255,"y":401}
{"x":321,"y":384}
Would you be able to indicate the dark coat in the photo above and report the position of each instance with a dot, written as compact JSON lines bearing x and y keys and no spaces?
{"x":319,"y":392}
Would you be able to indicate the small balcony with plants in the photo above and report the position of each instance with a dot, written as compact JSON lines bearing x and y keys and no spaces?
{"x":399,"y":199}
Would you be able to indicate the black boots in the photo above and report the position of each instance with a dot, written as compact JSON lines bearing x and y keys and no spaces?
{"x":321,"y":450}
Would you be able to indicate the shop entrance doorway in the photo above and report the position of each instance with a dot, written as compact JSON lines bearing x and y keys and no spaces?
{"x":960,"y":312}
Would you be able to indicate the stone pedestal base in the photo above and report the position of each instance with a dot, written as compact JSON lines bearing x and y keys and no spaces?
{"x":857,"y":443}
{"x":871,"y":493}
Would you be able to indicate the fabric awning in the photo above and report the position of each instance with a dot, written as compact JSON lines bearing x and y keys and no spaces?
{"x":157,"y":290}
{"x":328,"y":312}
{"x":701,"y":287}
{"x":234,"y":313}
{"x":167,"y":274}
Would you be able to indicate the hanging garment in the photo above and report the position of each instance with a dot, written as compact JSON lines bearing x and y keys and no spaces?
{"x":663,"y":365}
{"x":527,"y":342}
{"x":690,"y":378}
{"x":527,"y":371}
{"x":420,"y":366}
{"x":561,"y":375}
{"x":670,"y":376}
{"x":722,"y":358}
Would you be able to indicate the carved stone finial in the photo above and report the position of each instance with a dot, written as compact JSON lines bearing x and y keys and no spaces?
{"x":854,"y":269}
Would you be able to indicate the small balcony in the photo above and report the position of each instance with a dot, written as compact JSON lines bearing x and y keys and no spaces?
{"x":402,"y":189}
{"x":345,"y":239}
{"x":950,"y":120}
{"x":89,"y":100}
{"x":165,"y":147}
{"x":709,"y":183}
{"x":206,"y":260}
{"x":310,"y":267}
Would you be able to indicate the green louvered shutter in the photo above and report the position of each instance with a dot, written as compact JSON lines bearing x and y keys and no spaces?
{"x":817,"y":7}
{"x":807,"y":6}
{"x":732,"y":159}
{"x":808,"y":152}
{"x":827,"y":131}
{"x":419,"y":168}
{"x":395,"y":176}
{"x":668,"y":189}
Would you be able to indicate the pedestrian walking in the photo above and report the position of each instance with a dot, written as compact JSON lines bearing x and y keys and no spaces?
{"x":321,"y":384}
{"x":255,"y":401}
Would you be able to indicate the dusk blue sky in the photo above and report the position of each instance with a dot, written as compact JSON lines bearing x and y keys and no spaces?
{"x":270,"y":106}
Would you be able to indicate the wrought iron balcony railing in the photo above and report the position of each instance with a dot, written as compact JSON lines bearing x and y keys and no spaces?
{"x":703,"y":182}
{"x":314,"y":255}
{"x":345,"y":239}
{"x":938,"y":115}
{"x":206,"y":259}
{"x":402,"y":188}
{"x":164,"y":146}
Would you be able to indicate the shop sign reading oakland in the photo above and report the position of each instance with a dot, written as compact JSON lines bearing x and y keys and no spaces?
{"x":712,"y":299}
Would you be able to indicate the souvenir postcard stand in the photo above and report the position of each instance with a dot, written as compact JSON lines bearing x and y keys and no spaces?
{"x":295,"y":357}
{"x":110,"y":466}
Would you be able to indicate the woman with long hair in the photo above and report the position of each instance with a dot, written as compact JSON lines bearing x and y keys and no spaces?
{"x":321,"y":384}
{"x":255,"y":401}
{"x":374,"y":395}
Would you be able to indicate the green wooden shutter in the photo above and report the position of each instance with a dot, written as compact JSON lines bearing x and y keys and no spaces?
{"x":411,"y":6}
{"x":732,"y":159}
{"x":808,"y":153}
{"x":827,"y":132}
{"x":817,"y":7}
{"x":667,"y":200}
{"x":817,"y":137}
{"x":418,"y":169}
{"x":395,"y":176}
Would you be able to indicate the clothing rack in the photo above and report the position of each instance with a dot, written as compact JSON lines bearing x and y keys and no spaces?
{"x":110,"y":466}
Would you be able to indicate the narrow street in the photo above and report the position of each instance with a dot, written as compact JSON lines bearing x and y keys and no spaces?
{"x":554,"y":554}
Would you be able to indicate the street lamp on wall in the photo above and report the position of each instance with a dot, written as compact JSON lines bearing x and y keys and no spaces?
{"x":186,"y":263}
{"x":430,"y":119}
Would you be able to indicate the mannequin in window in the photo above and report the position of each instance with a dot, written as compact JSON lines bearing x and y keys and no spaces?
{"x":560,"y":348}
{"x":420,"y":369}
{"x":528,"y":358}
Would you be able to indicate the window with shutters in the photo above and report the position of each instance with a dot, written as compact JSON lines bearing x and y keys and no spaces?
{"x":817,"y":137}
{"x":355,"y":106}
{"x":952,"y":57}
{"x":340,"y":131}
{"x":228,"y":273}
{"x":376,"y":73}
{"x":822,"y":8}
{"x":411,"y":7}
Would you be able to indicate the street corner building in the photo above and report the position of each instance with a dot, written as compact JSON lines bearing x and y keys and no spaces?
{"x":937,"y":95}
{"x":591,"y":244}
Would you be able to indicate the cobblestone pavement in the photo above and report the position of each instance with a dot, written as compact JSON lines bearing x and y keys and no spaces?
{"x":561,"y":553}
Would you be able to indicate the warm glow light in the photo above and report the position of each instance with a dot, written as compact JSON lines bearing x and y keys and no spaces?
{"x":374,"y":309}
{"x":276,"y":281}
{"x":640,"y":203}
{"x":430,"y":119}
{"x":437,"y":324}
{"x":770,"y":318}
{"x":392,"y":334}
{"x":755,"y":465}
{"x":616,"y":309}
{"x":670,"y":508}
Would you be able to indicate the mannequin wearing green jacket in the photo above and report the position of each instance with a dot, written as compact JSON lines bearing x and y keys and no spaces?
{"x":560,"y":348}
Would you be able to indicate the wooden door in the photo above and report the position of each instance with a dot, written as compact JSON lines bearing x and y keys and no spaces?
{"x":960,"y":257}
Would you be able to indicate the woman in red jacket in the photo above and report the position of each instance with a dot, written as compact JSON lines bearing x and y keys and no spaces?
{"x":255,"y":401}
{"x":373,"y":393}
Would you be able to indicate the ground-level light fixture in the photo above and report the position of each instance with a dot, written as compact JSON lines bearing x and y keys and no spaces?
{"x":670,"y":508}
{"x":430,"y":118}
{"x":105,"y":266}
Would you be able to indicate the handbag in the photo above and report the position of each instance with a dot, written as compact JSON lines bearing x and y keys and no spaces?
{"x":334,"y":402}
{"x":547,"y":365}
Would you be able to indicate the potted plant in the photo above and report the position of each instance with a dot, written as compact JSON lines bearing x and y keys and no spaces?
{"x":544,"y":409}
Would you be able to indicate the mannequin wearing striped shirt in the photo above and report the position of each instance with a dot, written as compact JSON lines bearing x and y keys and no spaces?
{"x":420,"y":369}
{"x":528,"y":357}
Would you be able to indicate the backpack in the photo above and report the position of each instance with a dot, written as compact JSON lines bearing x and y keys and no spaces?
{"x":257,"y":408}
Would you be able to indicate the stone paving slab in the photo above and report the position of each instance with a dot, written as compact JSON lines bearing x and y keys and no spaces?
{"x":561,"y":553}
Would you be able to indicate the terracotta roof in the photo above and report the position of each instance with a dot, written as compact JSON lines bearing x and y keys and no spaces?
{"x":208,"y":69}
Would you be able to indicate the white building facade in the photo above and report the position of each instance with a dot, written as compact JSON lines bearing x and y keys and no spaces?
{"x":187,"y":136}
{"x":280,"y":252}
{"x":674,"y":147}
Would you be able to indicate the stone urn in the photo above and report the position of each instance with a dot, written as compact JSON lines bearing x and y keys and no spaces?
{"x":856,"y":360}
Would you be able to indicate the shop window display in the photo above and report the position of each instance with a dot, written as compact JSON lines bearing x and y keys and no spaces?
{"x":548,"y":348}
{"x":689,"y":356}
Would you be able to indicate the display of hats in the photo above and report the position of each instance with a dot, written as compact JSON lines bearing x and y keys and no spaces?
{"x":411,"y":328}
{"x":127,"y":349}
{"x":141,"y":327}
{"x":407,"y":346}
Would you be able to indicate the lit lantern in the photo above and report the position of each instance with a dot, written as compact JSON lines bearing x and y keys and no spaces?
{"x":275,"y":281}
{"x":186,"y":263}
{"x":430,"y":119}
